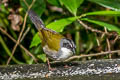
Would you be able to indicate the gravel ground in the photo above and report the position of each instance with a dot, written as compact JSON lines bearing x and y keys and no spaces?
{"x":88,"y":70}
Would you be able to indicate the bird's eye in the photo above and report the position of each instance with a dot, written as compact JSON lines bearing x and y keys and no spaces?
{"x":64,"y":44}
{"x":67,"y":45}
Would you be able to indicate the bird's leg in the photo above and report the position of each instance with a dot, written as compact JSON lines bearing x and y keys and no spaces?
{"x":48,"y":62}
{"x":49,"y":66}
{"x":66,"y":65}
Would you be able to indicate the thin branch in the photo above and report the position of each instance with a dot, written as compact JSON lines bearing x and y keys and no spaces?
{"x":7,"y":50}
{"x":21,"y":46}
{"x":108,"y":43}
{"x":91,"y":55}
{"x":94,"y":30}
{"x":25,"y":33}
{"x":26,"y":3}
{"x":116,"y":38}
{"x":98,"y":42}
{"x":18,"y":41}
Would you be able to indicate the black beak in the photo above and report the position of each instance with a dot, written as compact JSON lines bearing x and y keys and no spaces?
{"x":73,"y":50}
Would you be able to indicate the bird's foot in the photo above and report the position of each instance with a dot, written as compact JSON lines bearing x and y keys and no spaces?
{"x":51,"y":69}
{"x":66,"y":66}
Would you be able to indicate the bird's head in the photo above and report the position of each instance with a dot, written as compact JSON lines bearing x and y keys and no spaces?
{"x":68,"y":44}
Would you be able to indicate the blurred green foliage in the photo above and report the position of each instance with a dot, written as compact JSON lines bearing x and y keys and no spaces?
{"x":61,"y":16}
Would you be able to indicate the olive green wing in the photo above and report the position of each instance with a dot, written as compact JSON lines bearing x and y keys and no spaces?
{"x":52,"y":38}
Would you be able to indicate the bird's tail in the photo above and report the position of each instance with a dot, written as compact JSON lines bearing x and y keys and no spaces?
{"x":36,"y":20}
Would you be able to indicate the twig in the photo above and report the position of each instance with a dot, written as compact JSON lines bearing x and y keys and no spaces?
{"x":108,"y":43}
{"x":91,"y":55}
{"x":26,"y":3}
{"x":25,"y":34}
{"x":18,"y":44}
{"x":116,"y":38}
{"x":7,"y":50}
{"x":18,"y":41}
{"x":94,"y":30}
{"x":98,"y":42}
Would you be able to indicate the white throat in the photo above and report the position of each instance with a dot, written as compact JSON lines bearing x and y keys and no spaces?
{"x":65,"y":53}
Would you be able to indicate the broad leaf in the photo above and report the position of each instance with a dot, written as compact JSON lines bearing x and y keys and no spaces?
{"x":42,"y":57}
{"x":35,"y":41}
{"x":59,"y":25}
{"x":54,"y":2}
{"x":110,"y":27}
{"x":72,"y":5}
{"x":111,"y":4}
{"x":106,"y":13}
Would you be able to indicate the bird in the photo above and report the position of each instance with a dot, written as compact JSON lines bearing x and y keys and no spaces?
{"x":55,"y":46}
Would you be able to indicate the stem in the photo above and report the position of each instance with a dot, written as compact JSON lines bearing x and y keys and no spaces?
{"x":12,"y":32}
{"x":77,"y":38}
{"x":8,"y":51}
{"x":116,"y":19}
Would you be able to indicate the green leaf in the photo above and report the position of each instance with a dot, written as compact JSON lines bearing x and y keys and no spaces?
{"x":35,"y":41}
{"x":59,"y":25}
{"x":72,"y":5}
{"x":106,"y":13}
{"x":54,"y":2}
{"x":3,"y":9}
{"x":111,"y":4}
{"x":110,"y":27}
{"x":42,"y":57}
{"x":38,"y":6}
